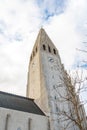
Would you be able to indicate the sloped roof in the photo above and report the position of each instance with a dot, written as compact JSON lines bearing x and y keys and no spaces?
{"x":19,"y":103}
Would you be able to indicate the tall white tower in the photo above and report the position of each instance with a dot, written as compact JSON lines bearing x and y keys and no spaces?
{"x":46,"y":82}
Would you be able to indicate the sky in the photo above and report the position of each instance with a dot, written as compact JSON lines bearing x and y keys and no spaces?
{"x":65,"y":21}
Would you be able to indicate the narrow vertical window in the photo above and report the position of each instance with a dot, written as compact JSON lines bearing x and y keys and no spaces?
{"x":54,"y":51}
{"x":36,"y":49}
{"x":31,"y":58}
{"x":55,"y":97}
{"x":57,"y":109}
{"x":49,"y":49}
{"x":44,"y":47}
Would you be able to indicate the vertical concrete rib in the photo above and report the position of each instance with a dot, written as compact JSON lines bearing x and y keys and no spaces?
{"x":29,"y":123}
{"x":6,"y":122}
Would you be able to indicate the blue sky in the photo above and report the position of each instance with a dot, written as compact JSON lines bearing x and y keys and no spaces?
{"x":65,"y":21}
{"x":51,"y":8}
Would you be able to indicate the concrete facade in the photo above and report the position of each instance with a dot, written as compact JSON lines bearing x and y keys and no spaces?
{"x":18,"y":120}
{"x":46,"y":83}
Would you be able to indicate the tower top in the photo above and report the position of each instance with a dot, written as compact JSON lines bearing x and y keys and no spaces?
{"x":43,"y":42}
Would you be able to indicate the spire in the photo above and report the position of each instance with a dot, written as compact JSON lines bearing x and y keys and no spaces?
{"x":43,"y":38}
{"x":43,"y":42}
{"x":41,"y":29}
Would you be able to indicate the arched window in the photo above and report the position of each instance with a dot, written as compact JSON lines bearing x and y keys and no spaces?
{"x":49,"y":49}
{"x":54,"y":51}
{"x":36,"y":49}
{"x":31,"y":58}
{"x":44,"y":47}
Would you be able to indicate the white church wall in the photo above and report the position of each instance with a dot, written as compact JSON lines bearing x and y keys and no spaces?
{"x":17,"y":120}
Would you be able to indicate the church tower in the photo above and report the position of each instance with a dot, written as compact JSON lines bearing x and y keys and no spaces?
{"x":47,"y":82}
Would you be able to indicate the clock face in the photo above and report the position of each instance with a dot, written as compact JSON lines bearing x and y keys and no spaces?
{"x":53,"y":63}
{"x":50,"y":59}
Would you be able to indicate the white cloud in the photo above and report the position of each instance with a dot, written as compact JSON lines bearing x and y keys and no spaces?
{"x":50,"y":8}
{"x":67,"y":31}
{"x":18,"y":21}
{"x":19,"y":16}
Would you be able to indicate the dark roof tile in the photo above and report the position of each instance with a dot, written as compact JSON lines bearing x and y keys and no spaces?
{"x":20,"y":103}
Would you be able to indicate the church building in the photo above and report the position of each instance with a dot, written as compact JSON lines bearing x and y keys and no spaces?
{"x":51,"y":102}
